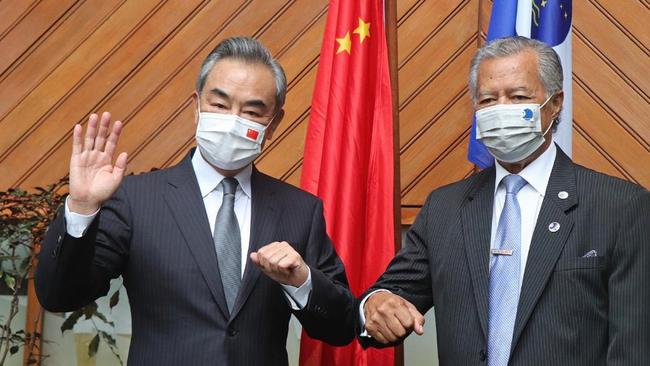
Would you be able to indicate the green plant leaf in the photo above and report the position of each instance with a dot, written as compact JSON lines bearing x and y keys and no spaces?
{"x":90,"y":310}
{"x":93,"y":346}
{"x":108,"y":338}
{"x":10,"y":281}
{"x":115,"y":298}
{"x":103,"y":318}
{"x":71,"y":320}
{"x":112,"y":344}
{"x":24,"y":219}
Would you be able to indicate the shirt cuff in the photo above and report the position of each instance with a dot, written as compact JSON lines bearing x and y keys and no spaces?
{"x":298,"y":296}
{"x":77,"y":224}
{"x":362,"y":316}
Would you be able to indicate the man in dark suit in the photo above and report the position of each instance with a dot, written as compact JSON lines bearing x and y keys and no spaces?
{"x":192,"y":241}
{"x":536,"y":261}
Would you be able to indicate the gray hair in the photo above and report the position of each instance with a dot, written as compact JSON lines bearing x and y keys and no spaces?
{"x":249,"y":50}
{"x":550,"y":67}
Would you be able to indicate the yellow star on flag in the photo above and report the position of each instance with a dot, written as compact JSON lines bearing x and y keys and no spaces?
{"x":363,"y":30}
{"x":345,"y":44}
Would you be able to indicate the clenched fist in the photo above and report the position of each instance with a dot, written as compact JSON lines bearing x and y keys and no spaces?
{"x":389,"y":317}
{"x":282,"y":263}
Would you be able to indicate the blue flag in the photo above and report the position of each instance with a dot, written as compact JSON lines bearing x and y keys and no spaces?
{"x":551,"y":21}
{"x":548,"y":21}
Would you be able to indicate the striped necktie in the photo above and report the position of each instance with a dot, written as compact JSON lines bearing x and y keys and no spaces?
{"x":504,"y":275}
{"x":227,"y":241}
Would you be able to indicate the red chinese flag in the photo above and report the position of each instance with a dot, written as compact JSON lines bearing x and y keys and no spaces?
{"x":348,"y":159}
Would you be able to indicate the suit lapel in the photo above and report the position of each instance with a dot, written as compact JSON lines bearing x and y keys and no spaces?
{"x":264,"y":221}
{"x":551,"y":233}
{"x":476,"y":216}
{"x":186,"y":204}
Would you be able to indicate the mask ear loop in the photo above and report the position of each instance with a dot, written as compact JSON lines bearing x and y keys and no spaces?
{"x":198,"y":103}
{"x":540,"y":108}
{"x":273,"y":118}
{"x":548,"y":128}
{"x":546,"y":101}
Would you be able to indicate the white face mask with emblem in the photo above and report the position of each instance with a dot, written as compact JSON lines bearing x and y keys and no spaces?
{"x":511,"y":132}
{"x":228,"y":141}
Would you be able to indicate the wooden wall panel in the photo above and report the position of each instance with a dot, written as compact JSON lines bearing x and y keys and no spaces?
{"x":611,"y":60}
{"x":140,"y":60}
{"x":30,"y":30}
{"x":63,"y":59}
{"x":13,"y":12}
{"x":25,"y":74}
{"x":436,"y":41}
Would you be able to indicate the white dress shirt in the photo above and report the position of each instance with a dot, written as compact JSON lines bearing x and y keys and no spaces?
{"x":530,"y":197}
{"x":212,"y":193}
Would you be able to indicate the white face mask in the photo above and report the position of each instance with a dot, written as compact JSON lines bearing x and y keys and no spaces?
{"x":511,"y":132}
{"x":228,"y":141}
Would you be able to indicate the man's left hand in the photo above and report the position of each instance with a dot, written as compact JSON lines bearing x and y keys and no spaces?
{"x":282,"y":263}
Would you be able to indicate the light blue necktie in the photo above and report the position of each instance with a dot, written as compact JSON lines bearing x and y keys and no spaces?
{"x":227,"y":241}
{"x":504,"y":275}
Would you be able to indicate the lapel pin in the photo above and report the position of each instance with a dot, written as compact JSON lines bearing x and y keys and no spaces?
{"x":553,"y":227}
{"x":563,"y":195}
{"x":501,"y":251}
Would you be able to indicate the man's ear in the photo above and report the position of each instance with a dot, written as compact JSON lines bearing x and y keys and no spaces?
{"x":271,"y":127}
{"x":197,"y":105}
{"x":556,"y":104}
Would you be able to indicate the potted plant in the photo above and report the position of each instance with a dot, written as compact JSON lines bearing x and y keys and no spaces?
{"x":24,"y":219}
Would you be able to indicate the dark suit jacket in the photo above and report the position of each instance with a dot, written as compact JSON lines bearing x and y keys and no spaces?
{"x":155,"y":233}
{"x":572,"y":310}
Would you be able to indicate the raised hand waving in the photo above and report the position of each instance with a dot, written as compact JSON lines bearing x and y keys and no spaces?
{"x":93,"y":176}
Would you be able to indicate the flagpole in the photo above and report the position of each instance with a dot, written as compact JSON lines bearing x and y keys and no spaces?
{"x":390,"y":13}
{"x":391,"y":42}
{"x":481,"y":36}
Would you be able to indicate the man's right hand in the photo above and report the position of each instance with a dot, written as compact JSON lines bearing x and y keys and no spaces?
{"x":389,"y":317}
{"x":93,"y":177}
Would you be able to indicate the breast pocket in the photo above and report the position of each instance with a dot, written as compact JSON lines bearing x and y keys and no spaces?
{"x":568,"y":264}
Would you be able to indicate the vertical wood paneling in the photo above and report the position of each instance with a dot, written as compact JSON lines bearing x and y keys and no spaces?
{"x":62,"y":60}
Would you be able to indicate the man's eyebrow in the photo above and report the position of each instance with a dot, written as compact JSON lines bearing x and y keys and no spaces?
{"x":520,"y":88}
{"x":220,"y":93}
{"x":249,"y":103}
{"x":255,"y":103}
{"x":510,"y":90}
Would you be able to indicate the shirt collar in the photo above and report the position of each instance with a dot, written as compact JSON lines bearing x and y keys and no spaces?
{"x":537,"y":173}
{"x":209,"y":178}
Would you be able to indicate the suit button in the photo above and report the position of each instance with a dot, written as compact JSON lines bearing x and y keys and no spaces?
{"x":482,"y":355}
{"x":232,"y":332}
